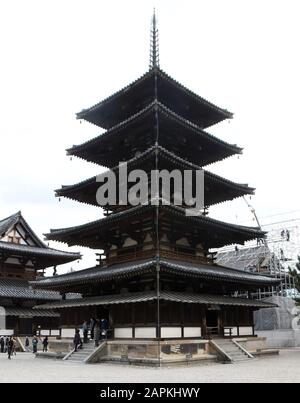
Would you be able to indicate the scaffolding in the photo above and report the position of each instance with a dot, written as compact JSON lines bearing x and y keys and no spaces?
{"x":272,"y":257}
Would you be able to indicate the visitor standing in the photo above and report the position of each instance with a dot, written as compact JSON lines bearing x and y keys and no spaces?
{"x":35,"y":344}
{"x":27,"y":344}
{"x":14,"y":349}
{"x":104,"y":327}
{"x":2,"y":344}
{"x":6,"y":344}
{"x":45,"y":344}
{"x":92,"y":327}
{"x":97,"y":332}
{"x":77,"y":340}
{"x":10,"y":346}
{"x":85,"y":330}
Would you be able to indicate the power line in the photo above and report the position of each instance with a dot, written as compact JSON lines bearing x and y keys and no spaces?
{"x":281,"y":222}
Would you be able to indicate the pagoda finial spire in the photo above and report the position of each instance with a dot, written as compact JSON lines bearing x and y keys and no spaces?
{"x":154,"y":48}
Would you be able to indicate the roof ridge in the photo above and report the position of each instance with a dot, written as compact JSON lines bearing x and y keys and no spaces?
{"x":164,"y":109}
{"x":162,"y":73}
{"x":147,"y":206}
{"x":80,"y":114}
{"x":131,"y":268}
{"x":8,"y":222}
{"x":116,"y":127}
{"x":147,"y":152}
{"x":193,"y":94}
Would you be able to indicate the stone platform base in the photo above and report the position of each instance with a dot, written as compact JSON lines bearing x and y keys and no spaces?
{"x":168,"y":352}
{"x":265,"y":353}
{"x":50,"y":355}
{"x":209,"y":359}
{"x":150,"y":352}
{"x":156,"y":353}
{"x":61,"y":346}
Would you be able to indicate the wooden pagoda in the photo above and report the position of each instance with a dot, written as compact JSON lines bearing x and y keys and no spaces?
{"x":156,"y":277}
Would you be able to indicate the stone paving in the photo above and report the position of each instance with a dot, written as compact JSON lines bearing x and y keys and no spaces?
{"x":24,"y":367}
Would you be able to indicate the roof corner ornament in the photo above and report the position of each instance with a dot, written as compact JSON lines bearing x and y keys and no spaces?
{"x":154,"y":45}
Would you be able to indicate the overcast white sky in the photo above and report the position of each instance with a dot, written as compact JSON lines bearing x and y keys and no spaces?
{"x":58,"y":57}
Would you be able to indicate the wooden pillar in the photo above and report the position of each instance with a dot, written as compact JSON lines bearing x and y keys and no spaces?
{"x":221,"y":323}
{"x":133,"y":319}
{"x":182,"y":319}
{"x":203,"y":325}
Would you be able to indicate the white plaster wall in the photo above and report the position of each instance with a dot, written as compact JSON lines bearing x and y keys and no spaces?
{"x":2,"y":318}
{"x":6,"y":332}
{"x":192,"y":332}
{"x":245,"y":331}
{"x":69,"y":333}
{"x":170,"y":332}
{"x":145,"y":332}
{"x":123,"y":332}
{"x":234,"y":331}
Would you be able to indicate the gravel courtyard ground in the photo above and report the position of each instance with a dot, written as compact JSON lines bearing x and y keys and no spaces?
{"x":26,"y":368}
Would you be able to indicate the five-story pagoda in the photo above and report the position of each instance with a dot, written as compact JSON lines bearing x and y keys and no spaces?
{"x":156,"y":277}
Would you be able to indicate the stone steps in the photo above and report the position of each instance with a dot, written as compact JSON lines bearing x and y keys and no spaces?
{"x":81,"y":354}
{"x":232,"y":350}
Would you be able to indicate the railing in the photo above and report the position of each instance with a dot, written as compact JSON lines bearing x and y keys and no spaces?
{"x":18,"y":275}
{"x":48,"y":332}
{"x":93,"y":357}
{"x":184,"y":256}
{"x":122,"y":255}
{"x":131,"y":256}
{"x":242,"y":349}
{"x":221,"y":353}
{"x":212,"y":331}
{"x":228,"y":331}
{"x":239,"y":331}
{"x":231,"y":331}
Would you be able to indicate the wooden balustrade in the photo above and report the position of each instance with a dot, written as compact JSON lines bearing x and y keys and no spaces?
{"x":18,"y":275}
{"x":150,"y":253}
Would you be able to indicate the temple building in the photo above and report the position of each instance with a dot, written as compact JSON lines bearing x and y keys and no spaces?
{"x":156,"y":276}
{"x":24,"y":257}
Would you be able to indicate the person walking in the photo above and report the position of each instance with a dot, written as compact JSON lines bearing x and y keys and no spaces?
{"x":97,"y":333}
{"x":35,"y":344}
{"x":77,"y":340}
{"x":6,"y":344}
{"x":10,"y":346}
{"x":92,"y":327}
{"x":85,"y":330}
{"x":45,"y":344}
{"x":27,"y":344}
{"x":2,"y":344}
{"x":14,"y":349}
{"x":104,"y":327}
